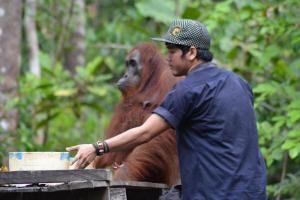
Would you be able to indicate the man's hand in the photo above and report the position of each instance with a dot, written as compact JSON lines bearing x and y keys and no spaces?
{"x":85,"y":155}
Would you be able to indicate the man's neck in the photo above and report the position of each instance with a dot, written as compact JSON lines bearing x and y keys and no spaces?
{"x":195,"y":64}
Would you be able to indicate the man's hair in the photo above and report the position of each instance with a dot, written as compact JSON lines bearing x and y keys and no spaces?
{"x":204,"y":55}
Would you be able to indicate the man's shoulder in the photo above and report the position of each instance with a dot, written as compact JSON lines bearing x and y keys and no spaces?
{"x":209,"y":74}
{"x":181,"y":88}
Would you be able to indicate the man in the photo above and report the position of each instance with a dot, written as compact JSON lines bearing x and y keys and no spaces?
{"x":212,"y":112}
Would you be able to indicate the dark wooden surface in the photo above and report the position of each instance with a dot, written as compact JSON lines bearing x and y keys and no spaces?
{"x":82,"y":194}
{"x":139,"y":190}
{"x":54,"y":176}
{"x":74,"y":185}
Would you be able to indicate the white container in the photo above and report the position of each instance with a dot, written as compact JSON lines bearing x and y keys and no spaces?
{"x":28,"y":161}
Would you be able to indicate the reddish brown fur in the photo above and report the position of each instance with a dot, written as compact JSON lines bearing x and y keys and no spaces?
{"x":155,"y":161}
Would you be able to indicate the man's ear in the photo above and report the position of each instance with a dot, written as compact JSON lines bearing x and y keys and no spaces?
{"x":192,"y":53}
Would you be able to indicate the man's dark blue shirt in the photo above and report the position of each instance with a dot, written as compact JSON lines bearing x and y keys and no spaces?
{"x":212,"y":112}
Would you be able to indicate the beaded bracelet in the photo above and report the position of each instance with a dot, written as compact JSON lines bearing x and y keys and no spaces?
{"x":101,"y":148}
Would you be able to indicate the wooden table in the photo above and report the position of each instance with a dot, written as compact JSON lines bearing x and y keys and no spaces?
{"x":87,"y":184}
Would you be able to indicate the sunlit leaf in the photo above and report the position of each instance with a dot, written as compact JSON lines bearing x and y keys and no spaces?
{"x":265,"y":88}
{"x":294,"y":133}
{"x":294,"y":115}
{"x":288,"y":144}
{"x":65,"y":92}
{"x":93,"y":65}
{"x":293,"y":153}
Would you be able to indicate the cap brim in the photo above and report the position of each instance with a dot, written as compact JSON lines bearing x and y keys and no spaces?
{"x":161,"y":40}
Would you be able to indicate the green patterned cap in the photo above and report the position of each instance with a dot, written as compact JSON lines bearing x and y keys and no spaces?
{"x":187,"y":32}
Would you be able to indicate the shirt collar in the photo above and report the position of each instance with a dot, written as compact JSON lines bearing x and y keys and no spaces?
{"x":202,"y":66}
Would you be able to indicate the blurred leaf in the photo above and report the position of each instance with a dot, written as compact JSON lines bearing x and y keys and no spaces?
{"x":44,"y":59}
{"x":270,"y":52}
{"x":43,"y":86}
{"x":281,"y":68}
{"x":48,"y":72}
{"x":100,"y":91}
{"x":223,"y":7}
{"x":294,"y":105}
{"x":191,"y":13}
{"x":44,"y":106}
{"x":161,"y":11}
{"x":91,"y":67}
{"x":93,"y":106}
{"x":47,"y":120}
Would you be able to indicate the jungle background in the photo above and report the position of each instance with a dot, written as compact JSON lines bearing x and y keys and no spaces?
{"x":60,"y":61}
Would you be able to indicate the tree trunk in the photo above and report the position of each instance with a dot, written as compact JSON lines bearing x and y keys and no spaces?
{"x":75,"y":49}
{"x":31,"y":36}
{"x":10,"y":32}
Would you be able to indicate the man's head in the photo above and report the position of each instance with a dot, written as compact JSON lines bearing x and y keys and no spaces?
{"x":188,"y":44}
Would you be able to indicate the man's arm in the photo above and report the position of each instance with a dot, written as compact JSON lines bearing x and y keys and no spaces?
{"x":131,"y":138}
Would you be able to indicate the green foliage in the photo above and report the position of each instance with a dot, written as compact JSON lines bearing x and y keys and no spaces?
{"x":60,"y":109}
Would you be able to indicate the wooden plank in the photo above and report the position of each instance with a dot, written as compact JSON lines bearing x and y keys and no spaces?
{"x":117,"y":194}
{"x":76,"y":185}
{"x":11,"y":189}
{"x":54,"y":176}
{"x":129,"y":184}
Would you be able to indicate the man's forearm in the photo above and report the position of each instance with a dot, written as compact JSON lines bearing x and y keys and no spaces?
{"x":131,"y":138}
{"x":128,"y":139}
